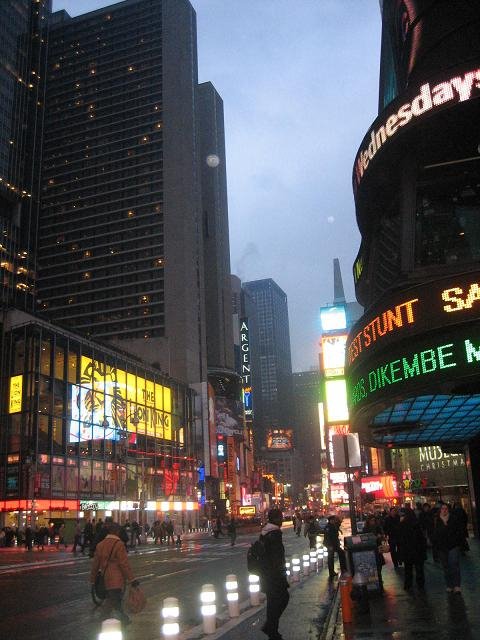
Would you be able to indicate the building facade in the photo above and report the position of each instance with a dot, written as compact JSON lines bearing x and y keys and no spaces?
{"x":115,"y":229}
{"x":120,"y":220}
{"x":87,"y":429}
{"x":271,"y":360}
{"x":412,"y":359}
{"x":23,"y":51}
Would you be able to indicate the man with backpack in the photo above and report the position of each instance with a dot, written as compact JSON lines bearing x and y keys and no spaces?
{"x":273,"y":576}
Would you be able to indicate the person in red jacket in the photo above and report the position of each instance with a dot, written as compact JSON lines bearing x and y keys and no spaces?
{"x":111,"y":557}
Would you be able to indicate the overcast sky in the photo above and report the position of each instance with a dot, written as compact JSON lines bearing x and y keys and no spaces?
{"x":299,"y":81}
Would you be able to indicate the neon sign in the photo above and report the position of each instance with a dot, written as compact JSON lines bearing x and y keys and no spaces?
{"x":245,"y":348}
{"x":455,"y":90}
{"x":458,"y":356}
{"x":424,"y":307}
{"x":386,"y":322}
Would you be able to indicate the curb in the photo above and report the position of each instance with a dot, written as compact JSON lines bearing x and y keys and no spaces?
{"x":332,"y":618}
{"x":247,"y":611}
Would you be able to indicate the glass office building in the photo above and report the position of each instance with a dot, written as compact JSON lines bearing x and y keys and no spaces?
{"x":86,"y":428}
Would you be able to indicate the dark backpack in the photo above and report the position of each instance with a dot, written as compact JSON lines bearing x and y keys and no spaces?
{"x":257,"y":557}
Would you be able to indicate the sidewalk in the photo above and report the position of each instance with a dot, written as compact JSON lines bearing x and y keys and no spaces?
{"x":432,"y":614}
{"x":304,"y":618}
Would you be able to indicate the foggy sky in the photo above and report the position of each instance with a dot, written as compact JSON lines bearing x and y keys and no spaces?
{"x":299,"y":81}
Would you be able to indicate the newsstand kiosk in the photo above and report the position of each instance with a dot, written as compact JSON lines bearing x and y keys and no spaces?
{"x":362,"y":558}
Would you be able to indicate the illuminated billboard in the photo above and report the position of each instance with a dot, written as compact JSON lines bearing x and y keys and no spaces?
{"x":336,"y":400}
{"x":335,"y":430}
{"x":410,"y":108}
{"x":280,"y":439}
{"x":229,"y":418}
{"x":333,"y":318}
{"x":15,"y":396}
{"x":109,"y":401}
{"x":333,"y":355}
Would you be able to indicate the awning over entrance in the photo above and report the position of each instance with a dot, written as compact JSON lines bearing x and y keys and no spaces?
{"x":428,"y":419}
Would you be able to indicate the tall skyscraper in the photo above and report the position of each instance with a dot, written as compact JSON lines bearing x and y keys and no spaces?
{"x":271,"y":360}
{"x":22,"y":63}
{"x":216,"y":245}
{"x":121,"y":243}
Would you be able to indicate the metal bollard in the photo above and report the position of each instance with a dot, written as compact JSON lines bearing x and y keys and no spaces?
{"x":111,"y":630}
{"x":231,"y":586}
{"x":209,"y":609}
{"x":254,"y":589}
{"x":296,"y":569}
{"x":345,"y":590}
{"x":313,"y":559}
{"x":306,"y":564}
{"x":287,"y":568}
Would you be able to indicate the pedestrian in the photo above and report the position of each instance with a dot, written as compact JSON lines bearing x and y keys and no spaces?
{"x":88,"y":533}
{"x":390,"y":528}
{"x":274,"y":578}
{"x":28,"y":538}
{"x":298,"y":525}
{"x":170,"y":531}
{"x":41,"y":535}
{"x":61,"y":536}
{"x":332,"y":542}
{"x":77,"y":538}
{"x":426,"y":523}
{"x":461,"y":515}
{"x":51,"y":533}
{"x":111,"y":557}
{"x":311,"y":531}
{"x":448,"y":536}
{"x":372,"y":526}
{"x":157,"y":532}
{"x":218,"y":528}
{"x":232,"y":531}
{"x":178,"y":530}
{"x":412,"y":545}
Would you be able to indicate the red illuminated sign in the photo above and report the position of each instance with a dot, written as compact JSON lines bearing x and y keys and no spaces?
{"x":381,"y":486}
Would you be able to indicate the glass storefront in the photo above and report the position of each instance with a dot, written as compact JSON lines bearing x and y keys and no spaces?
{"x":83,"y":423}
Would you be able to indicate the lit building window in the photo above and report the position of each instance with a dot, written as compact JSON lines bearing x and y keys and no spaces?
{"x":87,"y":275}
{"x":144,"y":299}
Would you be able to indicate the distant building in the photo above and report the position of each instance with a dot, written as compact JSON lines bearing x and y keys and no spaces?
{"x":271,"y":360}
{"x":307,"y":391}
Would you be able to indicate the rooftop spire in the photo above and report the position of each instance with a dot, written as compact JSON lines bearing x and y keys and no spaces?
{"x":338,"y":292}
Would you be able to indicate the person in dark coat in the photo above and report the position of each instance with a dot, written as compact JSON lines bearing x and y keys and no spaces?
{"x":332,"y":542}
{"x":412,"y":545}
{"x":372,"y":526}
{"x":425,"y":520}
{"x":274,"y":577}
{"x":461,"y":515}
{"x":390,"y":528}
{"x":311,"y":531}
{"x":449,"y":537}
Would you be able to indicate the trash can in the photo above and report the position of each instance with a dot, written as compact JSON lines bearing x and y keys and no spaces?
{"x":362,"y":556}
